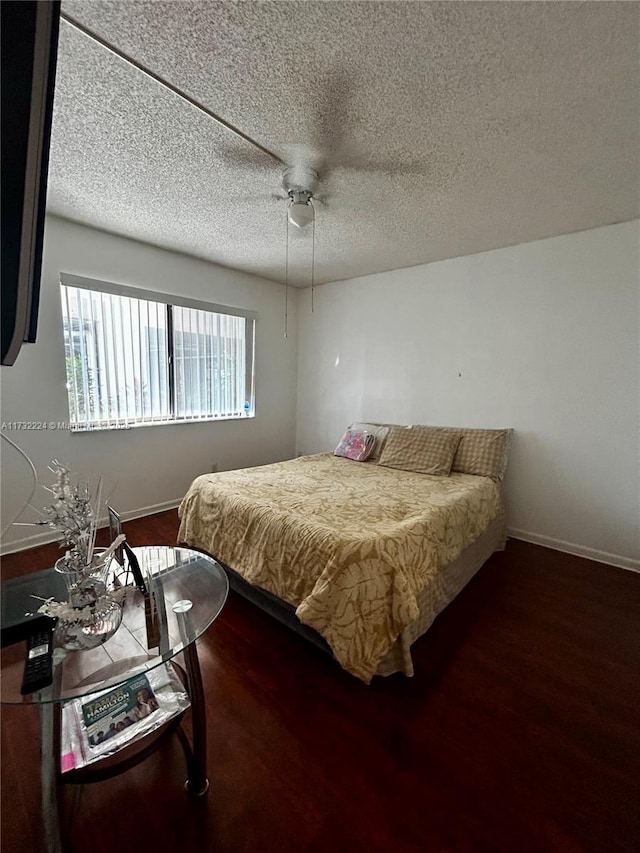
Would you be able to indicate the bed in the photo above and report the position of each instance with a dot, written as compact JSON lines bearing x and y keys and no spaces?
{"x":364,"y":554}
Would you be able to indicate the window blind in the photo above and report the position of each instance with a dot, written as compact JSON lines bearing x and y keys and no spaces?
{"x":132,"y":361}
{"x":210,"y":365}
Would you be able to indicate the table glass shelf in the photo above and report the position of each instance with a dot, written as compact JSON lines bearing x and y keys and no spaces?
{"x":188,"y":589}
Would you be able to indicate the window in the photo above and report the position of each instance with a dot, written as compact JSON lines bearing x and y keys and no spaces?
{"x":134,"y":357}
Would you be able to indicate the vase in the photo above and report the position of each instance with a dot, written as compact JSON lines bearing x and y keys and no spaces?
{"x":92,"y":615}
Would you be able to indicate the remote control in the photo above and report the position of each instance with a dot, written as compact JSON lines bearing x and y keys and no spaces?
{"x":38,"y":666}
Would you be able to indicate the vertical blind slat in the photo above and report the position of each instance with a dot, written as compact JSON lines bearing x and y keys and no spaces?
{"x":133,"y":372}
{"x":114,"y":353}
{"x":151,"y":374}
{"x":142,"y":367}
{"x":72,"y":384}
{"x":82,"y":361}
{"x":198,"y":357}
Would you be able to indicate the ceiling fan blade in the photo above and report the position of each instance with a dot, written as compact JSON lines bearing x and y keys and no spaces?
{"x":335,"y":153}
{"x":329,"y":152}
{"x":332,"y":120}
{"x":244,"y":156}
{"x":396,"y":168}
{"x":251,"y":198}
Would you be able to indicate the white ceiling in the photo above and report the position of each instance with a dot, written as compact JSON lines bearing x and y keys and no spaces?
{"x":439,"y":129}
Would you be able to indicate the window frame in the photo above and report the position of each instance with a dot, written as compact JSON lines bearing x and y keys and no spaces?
{"x":170,"y":301}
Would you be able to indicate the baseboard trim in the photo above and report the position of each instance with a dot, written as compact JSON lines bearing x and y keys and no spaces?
{"x":48,"y":535}
{"x":576,"y":550}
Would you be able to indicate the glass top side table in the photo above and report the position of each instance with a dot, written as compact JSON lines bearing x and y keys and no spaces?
{"x":188,"y":590}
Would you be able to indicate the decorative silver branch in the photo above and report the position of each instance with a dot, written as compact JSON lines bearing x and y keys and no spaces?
{"x":74,"y":515}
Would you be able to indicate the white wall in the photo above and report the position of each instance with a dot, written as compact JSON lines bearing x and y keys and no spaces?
{"x":545,"y":336}
{"x":147,"y":467}
{"x":542,"y":337}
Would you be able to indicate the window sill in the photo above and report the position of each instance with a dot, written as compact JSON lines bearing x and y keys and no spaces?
{"x":117,"y":427}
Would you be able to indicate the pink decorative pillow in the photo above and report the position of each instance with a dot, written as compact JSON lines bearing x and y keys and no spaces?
{"x":356,"y":444}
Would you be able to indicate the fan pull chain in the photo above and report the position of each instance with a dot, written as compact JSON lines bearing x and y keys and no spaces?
{"x":286,"y":275}
{"x":313,"y":256}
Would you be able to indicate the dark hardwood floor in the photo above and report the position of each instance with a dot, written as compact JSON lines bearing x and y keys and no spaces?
{"x":519,"y":731}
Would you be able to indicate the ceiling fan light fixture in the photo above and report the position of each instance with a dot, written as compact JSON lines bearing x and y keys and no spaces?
{"x":301,"y":213}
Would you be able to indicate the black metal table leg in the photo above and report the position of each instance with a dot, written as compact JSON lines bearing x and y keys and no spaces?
{"x":50,"y":722}
{"x":197,"y":783}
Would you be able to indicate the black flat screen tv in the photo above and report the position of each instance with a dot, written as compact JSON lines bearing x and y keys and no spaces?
{"x":29,"y":50}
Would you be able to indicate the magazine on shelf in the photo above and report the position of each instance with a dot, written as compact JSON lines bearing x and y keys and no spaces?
{"x":113,"y":712}
{"x":96,"y":726}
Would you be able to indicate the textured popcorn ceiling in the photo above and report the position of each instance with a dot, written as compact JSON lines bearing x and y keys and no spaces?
{"x":439,"y":129}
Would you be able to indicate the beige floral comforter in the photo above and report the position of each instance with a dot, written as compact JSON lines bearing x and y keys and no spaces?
{"x":349,"y":544}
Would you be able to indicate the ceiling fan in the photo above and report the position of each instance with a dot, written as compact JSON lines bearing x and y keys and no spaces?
{"x":300,"y":184}
{"x":300,"y":181}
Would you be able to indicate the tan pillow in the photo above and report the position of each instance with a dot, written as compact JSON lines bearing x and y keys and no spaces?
{"x":483,"y":452}
{"x":425,"y":450}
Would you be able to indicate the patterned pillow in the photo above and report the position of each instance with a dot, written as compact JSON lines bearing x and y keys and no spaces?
{"x":356,"y":444}
{"x":425,"y":450}
{"x":483,"y":452}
